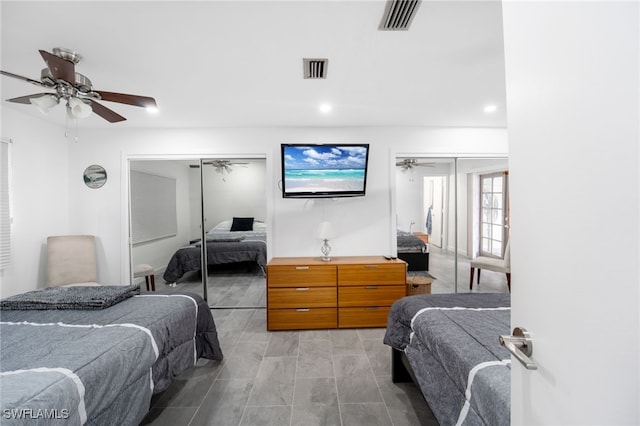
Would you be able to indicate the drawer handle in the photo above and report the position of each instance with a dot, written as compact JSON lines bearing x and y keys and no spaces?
{"x":303,"y":310}
{"x":302,"y":289}
{"x":371,"y":287}
{"x":370,"y":266}
{"x":301,"y":268}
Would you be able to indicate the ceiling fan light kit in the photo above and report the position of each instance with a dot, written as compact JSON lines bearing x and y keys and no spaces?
{"x":77,"y":108}
{"x":45,"y":102}
{"x":75,"y":88}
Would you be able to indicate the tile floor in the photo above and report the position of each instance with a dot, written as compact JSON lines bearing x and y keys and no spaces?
{"x":324,"y":377}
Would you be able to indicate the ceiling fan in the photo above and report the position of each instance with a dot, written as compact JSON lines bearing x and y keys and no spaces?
{"x":74,"y":89}
{"x":410,"y":163}
{"x":221,"y":166}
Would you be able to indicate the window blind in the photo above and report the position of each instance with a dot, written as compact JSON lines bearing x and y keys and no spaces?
{"x":5,"y":210}
{"x":153,"y":207}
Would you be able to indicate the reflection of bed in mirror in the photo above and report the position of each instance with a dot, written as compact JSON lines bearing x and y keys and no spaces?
{"x":414,"y":251}
{"x":230,"y":241}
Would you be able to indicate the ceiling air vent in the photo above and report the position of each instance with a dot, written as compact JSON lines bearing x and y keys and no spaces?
{"x":398,"y":15}
{"x":315,"y":67}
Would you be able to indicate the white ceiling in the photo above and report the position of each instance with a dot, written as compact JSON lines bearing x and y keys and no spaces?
{"x":239,"y":63}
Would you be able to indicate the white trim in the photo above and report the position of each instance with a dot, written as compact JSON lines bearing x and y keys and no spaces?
{"x":472,"y":375}
{"x":195,"y":328}
{"x":82,"y":411}
{"x":61,"y":324}
{"x":456,"y":308}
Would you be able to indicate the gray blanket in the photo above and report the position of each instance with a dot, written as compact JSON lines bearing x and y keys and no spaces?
{"x":100,"y":367}
{"x":80,"y":297}
{"x":409,"y":243}
{"x":451,"y":342}
{"x":249,"y":246}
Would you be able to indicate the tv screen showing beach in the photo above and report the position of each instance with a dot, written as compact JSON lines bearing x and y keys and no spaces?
{"x":324,"y":169}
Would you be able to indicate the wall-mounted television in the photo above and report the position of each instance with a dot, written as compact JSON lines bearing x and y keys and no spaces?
{"x":327,"y":170}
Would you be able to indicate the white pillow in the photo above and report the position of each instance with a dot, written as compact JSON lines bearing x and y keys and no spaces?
{"x":225,"y":226}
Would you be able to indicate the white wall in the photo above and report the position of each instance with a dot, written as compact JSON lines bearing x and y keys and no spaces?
{"x":239,"y":193}
{"x":40,"y":196}
{"x":364,"y":225}
{"x":573,"y":99}
{"x":410,"y":193}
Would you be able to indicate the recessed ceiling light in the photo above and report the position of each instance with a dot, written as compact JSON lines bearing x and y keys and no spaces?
{"x":152,"y":110}
{"x":490,"y":108}
{"x":325,"y":108}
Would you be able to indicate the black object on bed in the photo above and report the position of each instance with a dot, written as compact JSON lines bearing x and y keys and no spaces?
{"x":222,"y":247}
{"x":413,"y":250}
{"x":449,"y":342}
{"x":100,"y":366}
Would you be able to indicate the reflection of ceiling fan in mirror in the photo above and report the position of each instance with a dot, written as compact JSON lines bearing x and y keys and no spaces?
{"x":410,"y":163}
{"x":74,"y":89}
{"x":221,"y":166}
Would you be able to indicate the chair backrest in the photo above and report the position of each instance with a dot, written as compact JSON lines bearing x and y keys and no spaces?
{"x":71,"y":259}
{"x":507,"y":254}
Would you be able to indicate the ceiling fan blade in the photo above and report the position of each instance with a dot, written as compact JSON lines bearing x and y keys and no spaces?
{"x":123,"y":98}
{"x":27,"y":99}
{"x":61,"y":69}
{"x":106,"y":113}
{"x":27,"y":79}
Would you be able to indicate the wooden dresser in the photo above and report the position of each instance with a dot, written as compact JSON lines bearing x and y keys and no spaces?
{"x":347,"y":292}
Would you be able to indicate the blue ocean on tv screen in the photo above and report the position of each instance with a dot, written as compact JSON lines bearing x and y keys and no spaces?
{"x":324,"y":180}
{"x":324,"y":168}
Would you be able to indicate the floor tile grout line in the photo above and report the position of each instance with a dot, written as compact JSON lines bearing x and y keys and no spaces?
{"x":217,"y":376}
{"x":335,"y":379}
{"x":295,"y":380}
{"x":384,"y":402}
{"x":253,"y":381}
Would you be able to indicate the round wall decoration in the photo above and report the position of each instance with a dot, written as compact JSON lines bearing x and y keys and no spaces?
{"x":95,"y":176}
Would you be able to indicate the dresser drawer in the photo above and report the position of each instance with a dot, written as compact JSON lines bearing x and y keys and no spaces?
{"x":363,"y":317}
{"x":302,"y":297}
{"x":370,"y":295}
{"x":301,"y":275}
{"x":301,"y":319}
{"x":374,"y":273}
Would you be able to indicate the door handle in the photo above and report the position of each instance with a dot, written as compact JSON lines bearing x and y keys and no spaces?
{"x":520,"y":345}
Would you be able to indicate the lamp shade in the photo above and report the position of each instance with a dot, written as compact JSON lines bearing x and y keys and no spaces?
{"x":44,"y":103}
{"x":78,"y":109}
{"x":326,"y":231}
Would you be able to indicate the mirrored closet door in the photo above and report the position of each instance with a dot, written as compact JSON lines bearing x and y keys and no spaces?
{"x":440,"y":201}
{"x":174,"y":204}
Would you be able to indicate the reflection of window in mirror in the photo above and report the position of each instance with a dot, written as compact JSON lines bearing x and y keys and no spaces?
{"x":447,"y":191}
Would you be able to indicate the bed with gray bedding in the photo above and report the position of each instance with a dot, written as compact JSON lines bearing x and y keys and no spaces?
{"x":413,"y":250}
{"x":98,"y":366}
{"x":450,"y":342}
{"x":222,"y":247}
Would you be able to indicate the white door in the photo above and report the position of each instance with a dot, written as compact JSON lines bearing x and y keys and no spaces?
{"x":572,"y":99}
